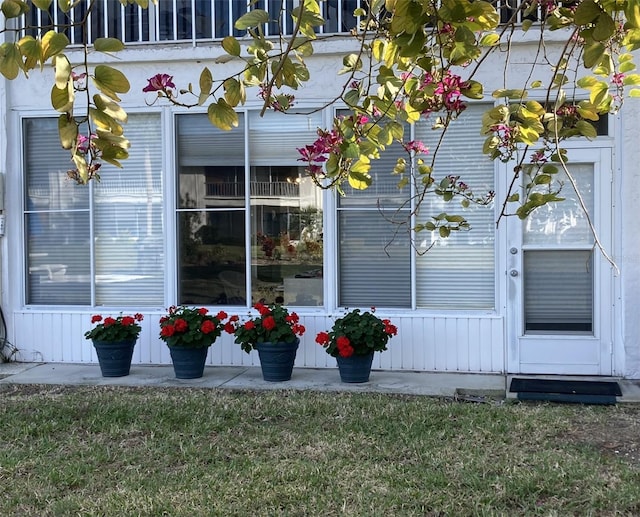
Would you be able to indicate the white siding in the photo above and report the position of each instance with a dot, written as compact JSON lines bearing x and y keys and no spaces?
{"x":429,"y":343}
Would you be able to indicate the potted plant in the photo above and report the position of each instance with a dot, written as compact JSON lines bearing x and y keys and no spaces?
{"x":189,"y":332}
{"x":353,"y":339}
{"x":274,"y":334}
{"x":114,"y":340}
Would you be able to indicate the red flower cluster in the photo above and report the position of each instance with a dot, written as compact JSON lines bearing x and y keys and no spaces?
{"x":195,"y":327}
{"x":273,"y":325}
{"x":357,"y":333}
{"x":112,"y":329}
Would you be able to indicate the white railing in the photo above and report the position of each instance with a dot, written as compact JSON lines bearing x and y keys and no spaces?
{"x":177,"y":20}
{"x":196,"y":20}
{"x":276,"y":189}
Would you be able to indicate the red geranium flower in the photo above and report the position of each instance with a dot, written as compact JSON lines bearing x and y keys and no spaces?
{"x":181,"y":325}
{"x":207,"y":327}
{"x":322,"y":338}
{"x":269,"y":323}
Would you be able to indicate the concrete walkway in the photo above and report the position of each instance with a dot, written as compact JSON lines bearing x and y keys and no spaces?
{"x":250,"y":378}
{"x":466,"y":386}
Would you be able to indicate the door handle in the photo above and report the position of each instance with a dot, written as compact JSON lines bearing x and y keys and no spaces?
{"x":513,"y":272}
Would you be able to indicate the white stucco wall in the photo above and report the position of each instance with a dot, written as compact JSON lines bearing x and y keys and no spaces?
{"x":629,"y":187}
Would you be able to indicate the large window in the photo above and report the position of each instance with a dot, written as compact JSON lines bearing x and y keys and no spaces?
{"x":100,"y":244}
{"x":375,"y":250}
{"x":249,"y":222}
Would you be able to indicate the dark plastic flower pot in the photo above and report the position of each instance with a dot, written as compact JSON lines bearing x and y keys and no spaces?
{"x":277,"y":359}
{"x":188,"y":362}
{"x":356,"y":368}
{"x":114,"y":357}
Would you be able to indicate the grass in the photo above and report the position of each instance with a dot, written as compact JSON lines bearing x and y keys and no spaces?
{"x":188,"y":452}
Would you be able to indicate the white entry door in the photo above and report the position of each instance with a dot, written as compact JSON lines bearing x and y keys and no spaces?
{"x":559,"y":284}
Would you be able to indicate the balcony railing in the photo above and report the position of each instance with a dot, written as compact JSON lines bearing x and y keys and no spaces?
{"x":194,"y":20}
{"x":275,"y":189}
{"x":178,"y":20}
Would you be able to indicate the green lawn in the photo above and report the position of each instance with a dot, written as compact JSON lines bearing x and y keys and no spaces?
{"x":189,"y":452}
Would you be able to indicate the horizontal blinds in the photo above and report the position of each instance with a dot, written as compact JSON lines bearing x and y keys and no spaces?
{"x":458,"y":272}
{"x":56,"y":222}
{"x":128,"y":229}
{"x":275,"y":137}
{"x":374,"y":265}
{"x":558,"y":290}
{"x":384,"y":185}
{"x":200,"y":143}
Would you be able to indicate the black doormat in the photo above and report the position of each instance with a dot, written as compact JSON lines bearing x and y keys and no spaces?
{"x":600,"y":388}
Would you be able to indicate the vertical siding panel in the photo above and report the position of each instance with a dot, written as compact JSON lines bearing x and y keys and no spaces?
{"x":451,"y":362}
{"x":497,"y":345}
{"x":415,"y":329}
{"x":462,"y":344}
{"x":475,"y":345}
{"x":440,"y":344}
{"x":429,"y":344}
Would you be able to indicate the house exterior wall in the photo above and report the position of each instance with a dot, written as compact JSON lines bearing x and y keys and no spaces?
{"x":428,"y":340}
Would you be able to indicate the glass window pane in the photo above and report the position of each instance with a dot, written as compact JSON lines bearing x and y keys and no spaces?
{"x":374,"y":262}
{"x":558,"y":291}
{"x":564,"y":222}
{"x":210,"y":164}
{"x":58,"y":258}
{"x":286,"y":211}
{"x":286,"y":237}
{"x":56,"y":221}
{"x":458,"y":272}
{"x":128,"y":227}
{"x":211,"y":257}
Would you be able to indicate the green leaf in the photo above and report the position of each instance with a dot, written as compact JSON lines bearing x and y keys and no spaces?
{"x":206,"y":82}
{"x":631,"y":80}
{"x":110,"y":108}
{"x":110,"y":81}
{"x":490,"y":40}
{"x":359,"y":180}
{"x":108,"y":45}
{"x":222,"y":115}
{"x":231,"y":46}
{"x":605,"y":28}
{"x":53,"y":43}
{"x":31,"y":51}
{"x":234,"y":92}
{"x":68,"y":131}
{"x":14,"y":8}
{"x":62,"y":70}
{"x":586,"y":12}
{"x":10,"y":61}
{"x":586,"y":129}
{"x":62,"y":98}
{"x":592,"y":54}
{"x":43,"y":5}
{"x":252,"y":19}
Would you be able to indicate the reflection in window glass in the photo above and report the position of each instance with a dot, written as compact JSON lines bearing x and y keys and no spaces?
{"x":286,"y":211}
{"x":211,"y":213}
{"x":286,"y":238}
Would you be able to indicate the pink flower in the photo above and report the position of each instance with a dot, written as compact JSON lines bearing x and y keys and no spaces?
{"x":159,"y":82}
